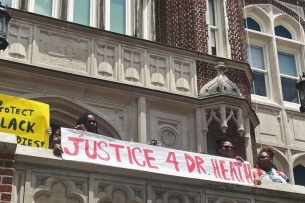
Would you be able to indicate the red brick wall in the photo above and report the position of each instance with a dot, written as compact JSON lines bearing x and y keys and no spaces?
{"x":182,"y":23}
{"x":206,"y":72}
{"x":6,"y":176}
{"x":236,"y":32}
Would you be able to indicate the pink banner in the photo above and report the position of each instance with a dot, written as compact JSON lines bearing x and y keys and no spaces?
{"x":92,"y":148}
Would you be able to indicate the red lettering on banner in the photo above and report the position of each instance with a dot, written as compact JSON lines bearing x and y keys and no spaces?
{"x":99,"y":146}
{"x":248,"y":173}
{"x":216,"y":168}
{"x":233,"y":172}
{"x":149,"y":158}
{"x":76,"y":142}
{"x":190,"y":166}
{"x":117,"y":151}
{"x":129,"y":155}
{"x":171,"y":158}
{"x":94,"y":154}
{"x":134,"y":156}
{"x":223,"y":170}
{"x":200,"y":161}
{"x":238,"y":165}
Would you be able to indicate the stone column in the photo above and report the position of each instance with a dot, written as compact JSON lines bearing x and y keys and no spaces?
{"x":248,"y":143}
{"x":8,"y":145}
{"x":142,"y":137}
{"x":201,"y":124}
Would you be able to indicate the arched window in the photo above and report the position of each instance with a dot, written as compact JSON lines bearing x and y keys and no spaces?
{"x":299,"y":177}
{"x":252,"y":24}
{"x":281,"y":31}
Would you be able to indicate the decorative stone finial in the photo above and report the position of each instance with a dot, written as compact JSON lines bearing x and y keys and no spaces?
{"x":220,"y":85}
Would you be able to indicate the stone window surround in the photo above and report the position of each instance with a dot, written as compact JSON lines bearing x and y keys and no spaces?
{"x":274,"y":44}
{"x":147,"y":31}
{"x":221,"y":41}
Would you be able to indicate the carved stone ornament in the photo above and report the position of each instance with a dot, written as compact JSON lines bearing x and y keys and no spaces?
{"x":220,"y":85}
{"x":168,"y":138}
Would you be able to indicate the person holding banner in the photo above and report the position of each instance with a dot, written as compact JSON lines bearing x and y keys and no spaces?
{"x":86,"y":122}
{"x":225,"y":148}
{"x":264,"y":170}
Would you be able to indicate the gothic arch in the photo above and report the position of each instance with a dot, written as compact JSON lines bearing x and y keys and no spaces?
{"x":298,"y":159}
{"x":260,"y":16}
{"x":65,"y":112}
{"x":291,"y":25}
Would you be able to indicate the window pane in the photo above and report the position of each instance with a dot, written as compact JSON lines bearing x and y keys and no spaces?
{"x":118,"y":16}
{"x":260,"y":85}
{"x":213,"y":42}
{"x":298,"y":173}
{"x":7,"y":3}
{"x":282,"y":32}
{"x":43,"y":7}
{"x":252,"y":24}
{"x":256,"y":57}
{"x":212,"y":12}
{"x":287,"y":64}
{"x":81,"y":12}
{"x":289,"y":90}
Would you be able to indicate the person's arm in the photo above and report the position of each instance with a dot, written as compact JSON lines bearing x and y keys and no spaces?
{"x":57,"y":150}
{"x":257,"y":180}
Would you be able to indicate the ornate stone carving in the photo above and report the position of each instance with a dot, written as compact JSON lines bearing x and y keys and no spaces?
{"x":106,"y":56}
{"x":118,"y":194}
{"x":182,"y":73}
{"x":223,"y":115}
{"x":175,"y":196}
{"x":157,"y":67}
{"x":133,"y":65}
{"x":63,"y":52}
{"x":168,"y":137}
{"x":20,"y":38}
{"x":58,"y":190}
{"x":220,"y":85}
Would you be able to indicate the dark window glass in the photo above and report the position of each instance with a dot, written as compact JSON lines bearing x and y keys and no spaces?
{"x":299,"y":177}
{"x":252,"y":24}
{"x":259,"y":84}
{"x":281,"y":31}
{"x":289,"y":90}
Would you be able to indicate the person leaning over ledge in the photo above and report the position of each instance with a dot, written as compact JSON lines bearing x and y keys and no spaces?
{"x":264,"y":170}
{"x":225,"y":148}
{"x":154,"y":142}
{"x":86,"y":122}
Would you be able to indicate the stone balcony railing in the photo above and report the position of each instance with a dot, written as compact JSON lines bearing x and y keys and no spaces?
{"x":41,"y":177}
{"x":64,"y":46}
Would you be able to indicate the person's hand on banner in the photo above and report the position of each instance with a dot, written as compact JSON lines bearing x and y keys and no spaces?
{"x":81,"y":127}
{"x":57,"y":150}
{"x":49,"y":131}
{"x":238,"y":158}
{"x":257,"y":181}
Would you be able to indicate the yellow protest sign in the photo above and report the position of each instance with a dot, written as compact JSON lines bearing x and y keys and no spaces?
{"x":26,"y":119}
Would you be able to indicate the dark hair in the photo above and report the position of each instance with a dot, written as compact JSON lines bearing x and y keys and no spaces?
{"x":154,"y":142}
{"x":269,"y":150}
{"x":83,"y":120}
{"x":219,"y":143}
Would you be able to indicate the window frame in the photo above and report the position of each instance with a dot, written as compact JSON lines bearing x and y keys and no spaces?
{"x":216,"y":28}
{"x":93,"y":12}
{"x":55,"y":7}
{"x":297,"y":62}
{"x":128,"y":20}
{"x":260,"y":71}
